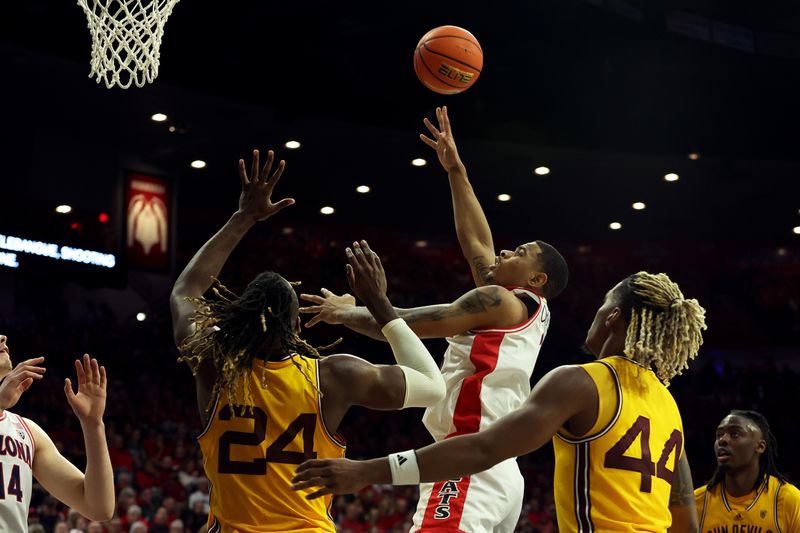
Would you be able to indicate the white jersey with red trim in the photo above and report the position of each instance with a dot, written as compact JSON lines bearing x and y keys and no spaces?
{"x":16,"y":472}
{"x":487,"y":373}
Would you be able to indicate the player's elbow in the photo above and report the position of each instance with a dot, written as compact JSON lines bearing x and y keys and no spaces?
{"x":423,"y":389}
{"x":102,"y":512}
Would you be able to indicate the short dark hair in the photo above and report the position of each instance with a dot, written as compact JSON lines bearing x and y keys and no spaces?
{"x":555,"y":266}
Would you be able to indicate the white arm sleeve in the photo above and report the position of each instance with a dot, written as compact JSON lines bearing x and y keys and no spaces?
{"x":424,"y":382}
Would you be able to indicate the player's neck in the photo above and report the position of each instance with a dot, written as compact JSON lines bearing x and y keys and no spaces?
{"x":741,"y":482}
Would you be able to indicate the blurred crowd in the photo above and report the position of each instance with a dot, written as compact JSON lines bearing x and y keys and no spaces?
{"x":753,"y":305}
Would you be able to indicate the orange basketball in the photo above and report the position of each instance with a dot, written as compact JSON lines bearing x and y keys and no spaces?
{"x":448,"y":60}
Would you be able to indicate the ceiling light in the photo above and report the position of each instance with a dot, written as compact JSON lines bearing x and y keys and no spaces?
{"x":542,"y":171}
{"x":782,"y":252}
{"x":141,"y":317}
{"x":421,"y":244}
{"x":796,"y":230}
{"x":671,"y":177}
{"x":198,"y":163}
{"x":615,"y":226}
{"x":159,"y":117}
{"x":694,"y":156}
{"x":172,"y":129}
{"x":363,"y":189}
{"x":292,"y":145}
{"x":327,"y":210}
{"x":63,"y":209}
{"x":504,"y":197}
{"x":638,"y":205}
{"x":419,"y":162}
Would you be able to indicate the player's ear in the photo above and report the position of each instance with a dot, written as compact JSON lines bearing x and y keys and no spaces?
{"x":297,"y":324}
{"x":537,"y":280}
{"x":761,"y":446}
{"x":614,"y":317}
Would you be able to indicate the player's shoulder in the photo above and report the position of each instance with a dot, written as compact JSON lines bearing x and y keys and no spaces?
{"x":342,"y":366}
{"x":700,"y":492}
{"x":789,"y":492}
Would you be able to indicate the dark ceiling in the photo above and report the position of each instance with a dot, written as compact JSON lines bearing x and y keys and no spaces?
{"x":610,"y":94}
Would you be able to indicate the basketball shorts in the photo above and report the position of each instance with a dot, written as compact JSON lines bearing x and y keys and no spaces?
{"x":488,"y":502}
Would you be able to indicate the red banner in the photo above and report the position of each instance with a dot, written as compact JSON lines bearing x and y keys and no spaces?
{"x":147,"y":226}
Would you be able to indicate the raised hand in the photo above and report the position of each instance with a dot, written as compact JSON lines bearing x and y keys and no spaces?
{"x":19,"y":380}
{"x":257,"y":187}
{"x":365,"y":273}
{"x":326,"y":307}
{"x":331,"y":476}
{"x":90,"y":401}
{"x":443,"y":141}
{"x":367,"y":280}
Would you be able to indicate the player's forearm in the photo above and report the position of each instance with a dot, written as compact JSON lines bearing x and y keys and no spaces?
{"x":98,"y":484}
{"x":360,"y":320}
{"x":209,"y":260}
{"x":472,"y":227}
{"x":448,"y":459}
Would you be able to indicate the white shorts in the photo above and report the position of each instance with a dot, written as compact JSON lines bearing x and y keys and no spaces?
{"x":488,"y":502}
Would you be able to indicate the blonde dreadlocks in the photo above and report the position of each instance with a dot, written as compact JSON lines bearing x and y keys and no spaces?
{"x":664,"y":329}
{"x":232,"y":330}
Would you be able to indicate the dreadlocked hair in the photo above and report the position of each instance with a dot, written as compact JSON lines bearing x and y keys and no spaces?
{"x":766,"y":461}
{"x":232,"y":330}
{"x":665,"y":329}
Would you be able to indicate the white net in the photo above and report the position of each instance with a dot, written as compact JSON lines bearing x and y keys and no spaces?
{"x":126,"y":38}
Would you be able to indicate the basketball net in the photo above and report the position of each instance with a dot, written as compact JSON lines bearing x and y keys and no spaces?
{"x":126,"y":38}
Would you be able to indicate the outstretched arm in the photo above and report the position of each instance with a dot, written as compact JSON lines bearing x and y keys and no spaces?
{"x":560,"y":395}
{"x":484,"y":307}
{"x":255,"y":204}
{"x":415,"y":381}
{"x":92,"y":493}
{"x":472,"y":228}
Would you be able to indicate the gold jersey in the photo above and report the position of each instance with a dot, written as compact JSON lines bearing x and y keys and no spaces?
{"x":618,"y":477}
{"x":250,"y":454}
{"x":772,"y":508}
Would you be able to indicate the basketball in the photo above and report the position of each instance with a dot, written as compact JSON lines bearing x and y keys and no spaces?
{"x":448,"y":60}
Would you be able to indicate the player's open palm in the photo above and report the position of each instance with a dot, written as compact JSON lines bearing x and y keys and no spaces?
{"x":330,"y":476}
{"x":326,"y":307}
{"x":257,"y":186}
{"x":90,"y":401}
{"x":443,"y":141}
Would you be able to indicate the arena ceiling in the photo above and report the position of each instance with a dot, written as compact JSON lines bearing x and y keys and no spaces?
{"x":609,"y":94}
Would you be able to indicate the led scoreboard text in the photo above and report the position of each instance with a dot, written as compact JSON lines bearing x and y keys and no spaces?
{"x":13,"y":245}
